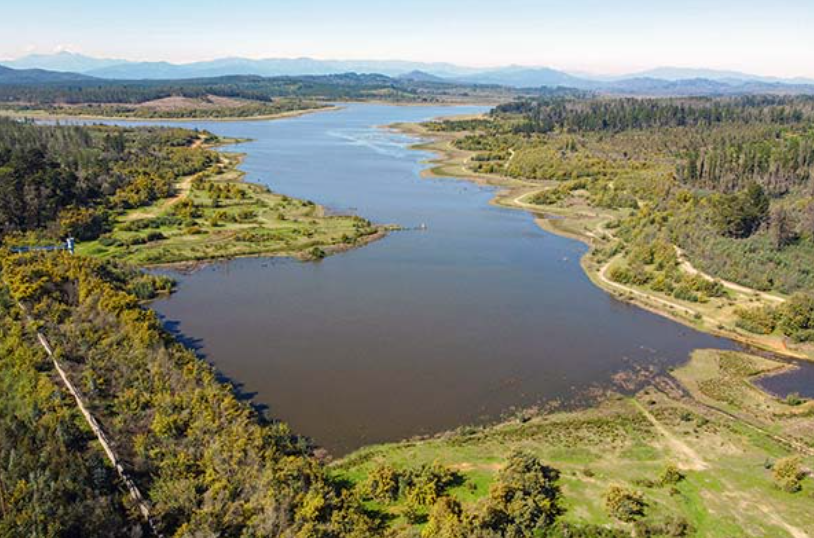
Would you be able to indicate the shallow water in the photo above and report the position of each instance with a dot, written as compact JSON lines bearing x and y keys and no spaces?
{"x":421,"y":331}
{"x":799,"y":380}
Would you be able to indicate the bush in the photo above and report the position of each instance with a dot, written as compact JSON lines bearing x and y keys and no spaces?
{"x":797,"y":317}
{"x":446,"y":520}
{"x":155,"y":236}
{"x":672,"y":527}
{"x":793,"y":399}
{"x":670,"y":476}
{"x":426,"y":484}
{"x":788,"y":475}
{"x":83,"y":224}
{"x":635,"y":275}
{"x":624,"y":504}
{"x":525,"y":498}
{"x":762,"y":320}
{"x":383,"y":484}
{"x":685,"y":293}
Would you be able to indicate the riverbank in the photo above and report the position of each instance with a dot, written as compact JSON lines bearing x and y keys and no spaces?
{"x":723,"y":443}
{"x":216,"y":215}
{"x":577,"y":219}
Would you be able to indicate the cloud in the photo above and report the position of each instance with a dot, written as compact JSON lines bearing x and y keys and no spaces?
{"x":65,"y":48}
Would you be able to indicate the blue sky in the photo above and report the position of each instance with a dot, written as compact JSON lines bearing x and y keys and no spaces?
{"x":773,"y":38}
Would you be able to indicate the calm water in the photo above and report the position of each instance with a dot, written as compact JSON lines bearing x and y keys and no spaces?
{"x":424,"y":330}
{"x":798,"y":381}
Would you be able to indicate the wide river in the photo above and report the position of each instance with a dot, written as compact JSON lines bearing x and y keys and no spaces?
{"x":481,"y":313}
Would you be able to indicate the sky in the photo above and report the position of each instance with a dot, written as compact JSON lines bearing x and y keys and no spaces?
{"x":599,"y":36}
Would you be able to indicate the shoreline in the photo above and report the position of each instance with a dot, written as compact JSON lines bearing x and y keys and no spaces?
{"x":450,"y":163}
{"x":190,"y":266}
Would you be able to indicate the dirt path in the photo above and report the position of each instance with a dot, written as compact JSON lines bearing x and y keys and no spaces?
{"x":689,"y":268}
{"x":688,"y":457}
{"x":691,"y":460}
{"x":796,"y":532}
{"x":182,"y":189}
{"x":604,"y":278}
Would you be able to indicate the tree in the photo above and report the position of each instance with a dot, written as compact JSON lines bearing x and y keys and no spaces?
{"x":741,"y":214}
{"x":781,"y":227}
{"x":525,"y":498}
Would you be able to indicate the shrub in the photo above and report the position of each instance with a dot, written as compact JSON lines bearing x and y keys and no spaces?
{"x":685,"y":293}
{"x":155,"y":236}
{"x":671,"y":475}
{"x":788,"y":475}
{"x":446,"y":520}
{"x":797,"y":317}
{"x":671,"y":527}
{"x":383,"y":484}
{"x":762,"y":320}
{"x":624,"y":504}
{"x":83,"y":224}
{"x":525,"y":498}
{"x":793,"y":399}
{"x":427,"y":483}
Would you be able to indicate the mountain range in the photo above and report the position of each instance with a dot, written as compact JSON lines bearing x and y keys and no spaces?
{"x":70,"y":67}
{"x":515,"y":76}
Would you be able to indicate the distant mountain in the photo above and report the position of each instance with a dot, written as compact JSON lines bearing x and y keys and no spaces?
{"x":526,"y":77}
{"x":684,"y":73}
{"x":37,"y":76}
{"x":421,"y":76}
{"x":516,"y":76}
{"x":269,"y":68}
{"x":644,"y":86}
{"x":61,"y":61}
{"x":660,"y":81}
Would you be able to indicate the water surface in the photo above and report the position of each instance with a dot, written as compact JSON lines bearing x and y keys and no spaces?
{"x":424,"y":330}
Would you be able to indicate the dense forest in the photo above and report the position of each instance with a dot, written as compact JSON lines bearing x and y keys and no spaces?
{"x":67,"y":179}
{"x":729,"y":180}
{"x":259,"y":91}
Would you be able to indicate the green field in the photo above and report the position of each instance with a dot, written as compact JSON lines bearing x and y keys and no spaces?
{"x":728,"y":487}
{"x":215,"y":215}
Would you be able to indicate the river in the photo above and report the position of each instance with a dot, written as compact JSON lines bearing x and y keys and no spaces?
{"x":426,"y":330}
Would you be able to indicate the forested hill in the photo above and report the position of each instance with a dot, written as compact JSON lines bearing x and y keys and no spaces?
{"x":38,"y":76}
{"x":348,"y":86}
{"x":67,"y":179}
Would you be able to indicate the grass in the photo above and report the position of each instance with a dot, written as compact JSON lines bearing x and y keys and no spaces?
{"x":725,"y":381}
{"x":216,"y":215}
{"x":728,"y":491}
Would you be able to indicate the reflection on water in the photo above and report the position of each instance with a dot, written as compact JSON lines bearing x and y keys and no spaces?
{"x":419,"y":332}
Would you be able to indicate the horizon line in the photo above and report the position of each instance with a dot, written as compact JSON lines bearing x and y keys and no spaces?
{"x":571,"y":71}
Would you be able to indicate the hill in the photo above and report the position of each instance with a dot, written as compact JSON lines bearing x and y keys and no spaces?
{"x":37,"y":76}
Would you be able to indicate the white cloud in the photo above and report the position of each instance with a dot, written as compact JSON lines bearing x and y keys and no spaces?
{"x":65,"y":48}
